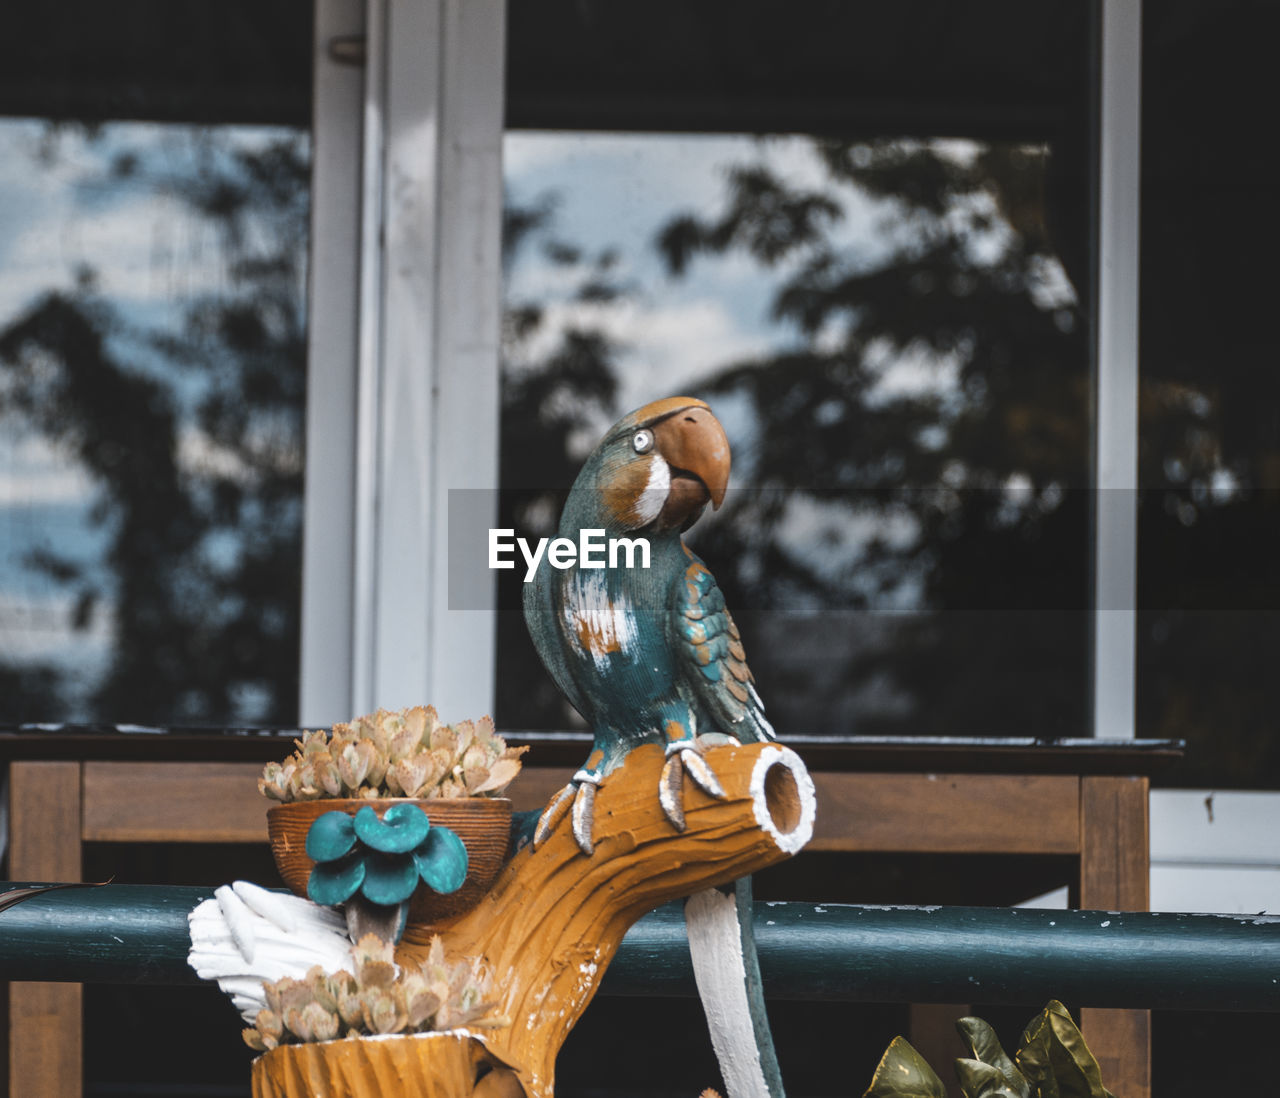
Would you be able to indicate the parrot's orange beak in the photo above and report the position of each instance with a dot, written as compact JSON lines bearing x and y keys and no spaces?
{"x":691,"y":441}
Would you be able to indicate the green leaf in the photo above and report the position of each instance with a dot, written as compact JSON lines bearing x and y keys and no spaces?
{"x":1055,"y":1058}
{"x":389,"y":879}
{"x":979,"y":1080}
{"x":903,"y":1073}
{"x":985,"y":1046}
{"x":405,"y":815}
{"x":330,"y":837}
{"x":1034,"y":1058}
{"x":335,"y":882}
{"x":402,"y":827}
{"x":1074,"y":1065}
{"x":442,"y":860}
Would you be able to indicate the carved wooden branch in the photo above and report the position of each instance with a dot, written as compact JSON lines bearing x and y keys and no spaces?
{"x":555,"y":917}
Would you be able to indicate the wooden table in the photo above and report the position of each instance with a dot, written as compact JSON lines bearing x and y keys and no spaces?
{"x":1088,"y":799}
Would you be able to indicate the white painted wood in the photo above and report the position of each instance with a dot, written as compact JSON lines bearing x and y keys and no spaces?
{"x":429,"y":382}
{"x":1056,"y":899}
{"x":360,"y":674}
{"x":1201,"y":826}
{"x":1116,"y":524}
{"x":327,"y":543}
{"x":405,"y":420}
{"x":461,"y":640}
{"x":716,"y":939}
{"x":715,"y":945}
{"x":1234,"y":890}
{"x":1215,"y":851}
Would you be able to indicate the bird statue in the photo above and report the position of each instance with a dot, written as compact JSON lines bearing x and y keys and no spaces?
{"x":652,"y":655}
{"x":645,"y":654}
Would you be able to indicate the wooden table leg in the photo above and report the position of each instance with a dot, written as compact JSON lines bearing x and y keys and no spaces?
{"x":45,"y":1054}
{"x":1115,"y":868}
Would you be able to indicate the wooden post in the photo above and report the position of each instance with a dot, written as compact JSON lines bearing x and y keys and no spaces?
{"x":555,"y":917}
{"x":45,"y":1054}
{"x":1115,"y":876}
{"x":931,"y":1029}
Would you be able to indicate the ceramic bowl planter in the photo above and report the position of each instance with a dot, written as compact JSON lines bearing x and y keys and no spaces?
{"x":482,"y":823}
{"x":419,"y":1065}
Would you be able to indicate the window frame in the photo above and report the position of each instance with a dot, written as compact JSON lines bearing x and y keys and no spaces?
{"x":1115,"y":541}
{"x":420,"y":349}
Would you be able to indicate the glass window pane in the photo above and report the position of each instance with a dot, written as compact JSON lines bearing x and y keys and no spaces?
{"x":153,"y":235}
{"x":882,"y":287}
{"x":1209,"y":570}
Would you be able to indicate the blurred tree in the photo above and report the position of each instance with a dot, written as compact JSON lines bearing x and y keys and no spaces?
{"x":907,"y":547}
{"x":193,"y":441}
{"x":550,"y":397}
{"x":974,"y":582}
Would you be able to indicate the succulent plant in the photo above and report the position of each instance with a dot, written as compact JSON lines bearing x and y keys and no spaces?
{"x":408,"y":753}
{"x":1052,"y":1062}
{"x":371,"y":860}
{"x":380,"y":998}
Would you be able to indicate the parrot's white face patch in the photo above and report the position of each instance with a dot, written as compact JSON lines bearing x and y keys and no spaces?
{"x":600,"y":624}
{"x":650,"y":501}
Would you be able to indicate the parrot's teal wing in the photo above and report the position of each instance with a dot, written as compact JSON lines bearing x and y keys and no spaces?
{"x":712,"y":657}
{"x":542,"y":615}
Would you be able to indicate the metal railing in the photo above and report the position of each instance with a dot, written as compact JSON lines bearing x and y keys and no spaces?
{"x":138,"y":934}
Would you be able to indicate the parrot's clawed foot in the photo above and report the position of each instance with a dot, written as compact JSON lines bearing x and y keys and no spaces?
{"x":685,"y":756}
{"x":579,"y":796}
{"x":582,"y":792}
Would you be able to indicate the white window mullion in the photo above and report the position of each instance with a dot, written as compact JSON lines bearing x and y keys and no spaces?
{"x":438,"y":356}
{"x":407,"y":365}
{"x":404,"y":353}
{"x":1116,"y":469}
{"x":360,"y":670}
{"x":461,"y":641}
{"x":328,"y":548}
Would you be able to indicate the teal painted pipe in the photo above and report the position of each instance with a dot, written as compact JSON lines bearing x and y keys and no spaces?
{"x":839,"y":952}
{"x":833,"y":952}
{"x":108,"y":934}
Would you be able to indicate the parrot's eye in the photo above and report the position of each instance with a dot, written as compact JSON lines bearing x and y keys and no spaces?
{"x":643,"y":442}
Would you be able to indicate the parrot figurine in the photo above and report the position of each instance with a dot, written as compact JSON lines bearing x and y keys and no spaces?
{"x":646,"y":655}
{"x":651,"y":655}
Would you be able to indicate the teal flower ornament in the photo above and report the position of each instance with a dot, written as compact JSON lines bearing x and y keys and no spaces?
{"x":380,"y":861}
